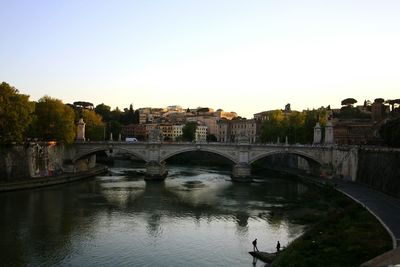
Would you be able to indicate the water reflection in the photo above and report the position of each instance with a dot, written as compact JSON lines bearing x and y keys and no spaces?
{"x":196,"y":217}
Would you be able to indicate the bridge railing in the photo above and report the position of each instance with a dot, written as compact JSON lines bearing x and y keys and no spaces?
{"x":213,"y":144}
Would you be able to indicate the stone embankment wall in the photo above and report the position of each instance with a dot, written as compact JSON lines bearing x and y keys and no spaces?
{"x":13,"y":163}
{"x":380,"y":169}
{"x":38,"y":160}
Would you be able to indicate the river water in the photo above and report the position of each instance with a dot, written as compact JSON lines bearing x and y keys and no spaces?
{"x":197,"y":217}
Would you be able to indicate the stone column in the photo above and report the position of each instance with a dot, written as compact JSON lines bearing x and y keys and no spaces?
{"x":155,"y":171}
{"x":317,"y":134}
{"x":80,"y":130}
{"x":241,"y":172}
{"x":328,"y":133}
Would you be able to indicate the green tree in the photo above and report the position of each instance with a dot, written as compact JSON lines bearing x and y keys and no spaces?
{"x":348,"y":102}
{"x":128,"y":117}
{"x":104,"y":111}
{"x":115,"y":128}
{"x":295,"y":128}
{"x":94,"y":125}
{"x":298,"y":127}
{"x":15,"y":114}
{"x":272,"y":127}
{"x":189,"y":131}
{"x":54,"y":120}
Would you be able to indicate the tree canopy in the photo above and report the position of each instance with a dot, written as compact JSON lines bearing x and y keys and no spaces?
{"x":348,"y":102}
{"x":54,"y":120}
{"x":94,"y":125}
{"x":298,"y":127}
{"x":15,"y":114}
{"x":189,"y":131}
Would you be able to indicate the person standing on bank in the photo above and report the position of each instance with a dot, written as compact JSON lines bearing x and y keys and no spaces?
{"x":255,"y":245}
{"x":278,"y":246}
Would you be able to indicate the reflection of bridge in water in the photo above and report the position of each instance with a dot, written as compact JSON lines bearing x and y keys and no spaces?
{"x":208,"y":199}
{"x":327,"y":159}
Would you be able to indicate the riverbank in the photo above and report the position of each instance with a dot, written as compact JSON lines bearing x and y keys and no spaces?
{"x":51,"y":180}
{"x":340,"y":231}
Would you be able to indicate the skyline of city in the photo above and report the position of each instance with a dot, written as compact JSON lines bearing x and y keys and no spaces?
{"x":238,"y":57}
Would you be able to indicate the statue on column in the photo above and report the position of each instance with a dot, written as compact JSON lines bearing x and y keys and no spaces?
{"x":80,"y":130}
{"x":317,"y":133}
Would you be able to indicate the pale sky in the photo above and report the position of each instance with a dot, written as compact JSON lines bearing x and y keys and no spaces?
{"x":244,"y":56}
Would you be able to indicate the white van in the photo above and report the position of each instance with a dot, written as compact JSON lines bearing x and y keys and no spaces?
{"x":131,"y":139}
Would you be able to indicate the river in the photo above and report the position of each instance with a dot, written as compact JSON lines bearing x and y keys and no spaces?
{"x":197,"y":217}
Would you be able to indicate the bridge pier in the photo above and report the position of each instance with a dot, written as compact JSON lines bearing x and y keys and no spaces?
{"x":155,"y":171}
{"x":241,"y":173}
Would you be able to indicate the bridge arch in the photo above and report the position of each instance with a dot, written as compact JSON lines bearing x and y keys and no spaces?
{"x":202,"y":149}
{"x":106,"y":148}
{"x":306,"y":156}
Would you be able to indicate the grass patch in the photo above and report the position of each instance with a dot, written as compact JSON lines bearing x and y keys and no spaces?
{"x":343,"y":232}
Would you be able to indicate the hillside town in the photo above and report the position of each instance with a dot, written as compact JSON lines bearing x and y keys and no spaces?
{"x":352,"y":124}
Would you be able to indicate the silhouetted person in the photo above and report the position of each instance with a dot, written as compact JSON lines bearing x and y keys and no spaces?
{"x":278,"y":246}
{"x":255,"y":245}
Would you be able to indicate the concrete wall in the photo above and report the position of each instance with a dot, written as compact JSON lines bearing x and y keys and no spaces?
{"x":345,"y":163}
{"x":380,"y":169}
{"x":13,"y":163}
{"x":37,"y":160}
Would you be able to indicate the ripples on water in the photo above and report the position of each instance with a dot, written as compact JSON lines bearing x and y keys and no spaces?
{"x":197,"y":217}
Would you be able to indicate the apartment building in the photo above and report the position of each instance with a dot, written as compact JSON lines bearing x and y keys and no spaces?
{"x":201,"y":133}
{"x":232,"y":130}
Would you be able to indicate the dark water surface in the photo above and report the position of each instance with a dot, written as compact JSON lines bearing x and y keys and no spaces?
{"x":197,"y":217}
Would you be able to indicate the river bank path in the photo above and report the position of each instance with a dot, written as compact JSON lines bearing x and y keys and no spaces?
{"x":385,"y":208}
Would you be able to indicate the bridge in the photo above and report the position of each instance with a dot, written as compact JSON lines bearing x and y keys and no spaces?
{"x":330,"y":160}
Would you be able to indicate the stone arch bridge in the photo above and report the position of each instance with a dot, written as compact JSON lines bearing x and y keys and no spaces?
{"x":322,"y":159}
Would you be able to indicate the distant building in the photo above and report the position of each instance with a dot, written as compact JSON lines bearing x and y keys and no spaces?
{"x":232,"y":130}
{"x":177,"y":132}
{"x":134,"y":130}
{"x":223,"y":134}
{"x":201,"y":133}
{"x":355,"y":132}
{"x":175,"y":108}
{"x":167,"y":131}
{"x":223,"y":114}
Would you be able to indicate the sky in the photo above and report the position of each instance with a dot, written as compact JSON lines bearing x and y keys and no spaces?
{"x":245,"y":56}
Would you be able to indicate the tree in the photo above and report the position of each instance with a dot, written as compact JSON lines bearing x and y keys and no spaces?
{"x":83,"y":105}
{"x":54,"y":120}
{"x":298,"y":127}
{"x":211,"y":138}
{"x":128,"y":117}
{"x":348,"y":102}
{"x":272,"y":128}
{"x":15,"y":114}
{"x":94,"y":125}
{"x":392,"y":103}
{"x":189,"y":131}
{"x":104,"y":111}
